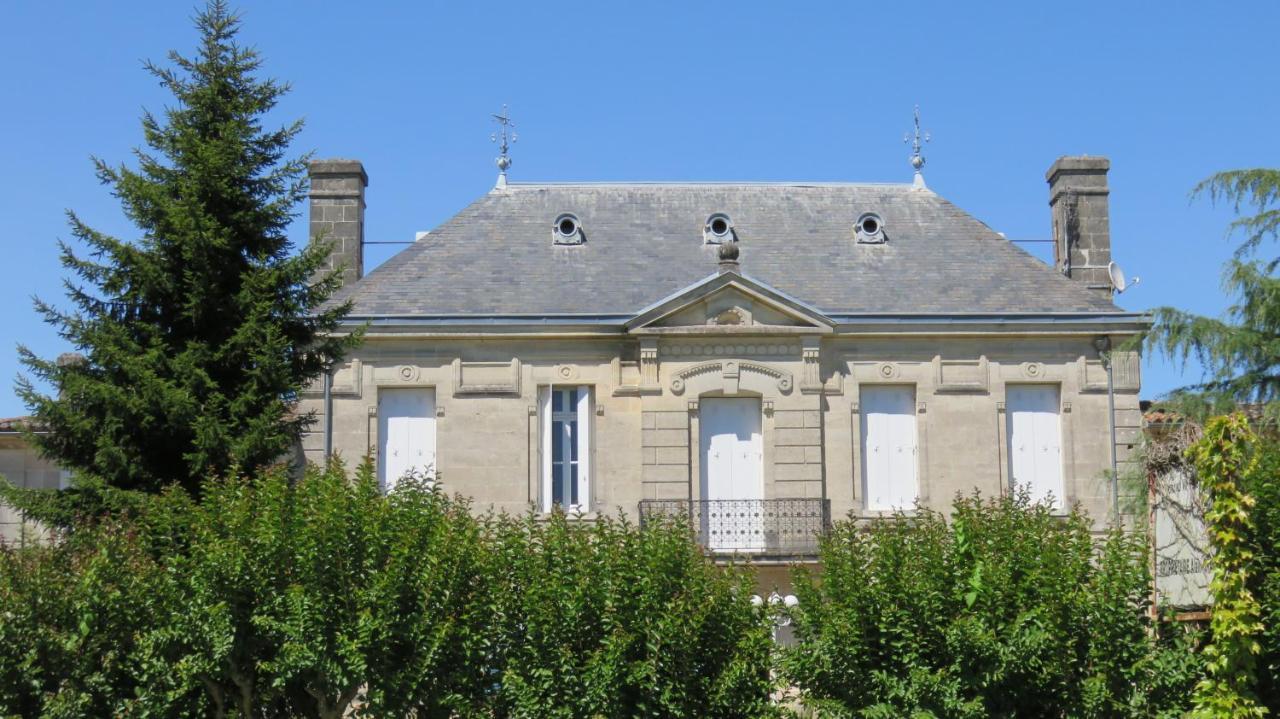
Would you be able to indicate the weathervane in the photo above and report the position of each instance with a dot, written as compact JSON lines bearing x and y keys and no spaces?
{"x":917,"y":141}
{"x":504,"y":140}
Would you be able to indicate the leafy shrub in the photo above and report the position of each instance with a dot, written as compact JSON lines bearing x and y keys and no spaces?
{"x":1005,"y":611}
{"x":265,"y":598}
{"x":607,"y":619}
{"x":70,"y":616}
{"x":272,"y":598}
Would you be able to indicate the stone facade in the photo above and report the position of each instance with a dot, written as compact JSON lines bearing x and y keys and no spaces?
{"x":645,"y":437}
{"x":23,"y":466}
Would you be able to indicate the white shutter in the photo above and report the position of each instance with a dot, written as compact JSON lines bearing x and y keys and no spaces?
{"x":407,"y":433}
{"x":1035,"y":441}
{"x":544,"y":420}
{"x":889,"y":447}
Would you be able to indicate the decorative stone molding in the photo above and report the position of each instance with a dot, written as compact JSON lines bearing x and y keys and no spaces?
{"x":1125,"y":373}
{"x":731,"y":316}
{"x":348,"y":381}
{"x":486,"y":377}
{"x":730,"y":373}
{"x":729,"y":349}
{"x":888,"y":371}
{"x":767,"y":406}
{"x":961,"y":375}
{"x":407,"y":373}
{"x":566,"y":372}
{"x":811,"y":380}
{"x":1033,"y":370}
{"x":626,"y":379}
{"x":921,"y":408}
{"x":648,"y":363}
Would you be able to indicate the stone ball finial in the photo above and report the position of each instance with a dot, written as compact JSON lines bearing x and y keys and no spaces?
{"x":729,"y":252}
{"x":70,"y":359}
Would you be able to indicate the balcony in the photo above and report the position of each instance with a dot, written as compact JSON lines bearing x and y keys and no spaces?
{"x":772,"y":529}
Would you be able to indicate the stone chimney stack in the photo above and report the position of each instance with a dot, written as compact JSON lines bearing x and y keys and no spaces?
{"x":1081,"y":220}
{"x":337,"y":213}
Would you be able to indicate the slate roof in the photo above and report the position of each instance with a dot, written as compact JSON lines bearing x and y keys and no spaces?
{"x":645,"y":242}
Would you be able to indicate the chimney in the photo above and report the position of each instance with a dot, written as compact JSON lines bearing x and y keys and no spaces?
{"x":337,"y":213}
{"x":1081,"y":220}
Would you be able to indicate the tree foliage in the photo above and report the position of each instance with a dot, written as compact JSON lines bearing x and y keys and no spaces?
{"x":1227,"y":464}
{"x":1240,"y":351}
{"x":197,"y":336}
{"x":1005,"y":611}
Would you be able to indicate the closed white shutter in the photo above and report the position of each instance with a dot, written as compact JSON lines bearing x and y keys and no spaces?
{"x":544,"y":446}
{"x":1035,"y":441}
{"x":407,"y":434}
{"x":889,"y":447}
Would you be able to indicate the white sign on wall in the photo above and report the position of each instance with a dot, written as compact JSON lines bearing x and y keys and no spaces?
{"x":1181,"y":544}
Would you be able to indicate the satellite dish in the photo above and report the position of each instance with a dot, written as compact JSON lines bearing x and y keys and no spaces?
{"x":1118,"y":282}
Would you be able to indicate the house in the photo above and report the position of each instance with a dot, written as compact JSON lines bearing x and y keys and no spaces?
{"x":761,"y":356}
{"x":22,"y":465}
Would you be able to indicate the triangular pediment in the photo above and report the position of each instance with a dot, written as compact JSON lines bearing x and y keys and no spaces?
{"x":729,"y":303}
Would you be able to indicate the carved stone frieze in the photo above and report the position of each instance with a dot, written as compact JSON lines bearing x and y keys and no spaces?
{"x":730,"y":373}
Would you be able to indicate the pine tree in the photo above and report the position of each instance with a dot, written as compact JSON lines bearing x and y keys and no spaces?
{"x":198,"y":336}
{"x":1241,"y":350}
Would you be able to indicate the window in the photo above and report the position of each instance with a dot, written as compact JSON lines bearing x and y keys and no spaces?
{"x":406,"y":433}
{"x":567,"y":230}
{"x":566,"y":448}
{"x":1034,"y":440}
{"x":718,"y":228}
{"x":889,"y":446}
{"x":869,"y":228}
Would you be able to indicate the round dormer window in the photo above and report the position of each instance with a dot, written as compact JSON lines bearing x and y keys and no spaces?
{"x":869,"y":228}
{"x":567,"y":230}
{"x":718,"y":228}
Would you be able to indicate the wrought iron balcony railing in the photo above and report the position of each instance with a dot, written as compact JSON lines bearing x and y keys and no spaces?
{"x":755,"y":527}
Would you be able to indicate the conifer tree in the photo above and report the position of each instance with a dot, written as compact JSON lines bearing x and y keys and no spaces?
{"x":198,"y":336}
{"x":1240,"y":351}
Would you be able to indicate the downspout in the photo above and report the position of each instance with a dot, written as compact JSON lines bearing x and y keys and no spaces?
{"x":328,"y":412}
{"x":1103,"y":345}
{"x":1111,"y":417}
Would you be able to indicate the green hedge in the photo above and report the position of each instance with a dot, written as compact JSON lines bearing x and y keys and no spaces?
{"x":1005,"y":610}
{"x":268,"y":598}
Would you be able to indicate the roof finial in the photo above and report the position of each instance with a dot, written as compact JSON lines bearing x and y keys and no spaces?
{"x":728,"y":253}
{"x":917,"y":159}
{"x":504,"y":139}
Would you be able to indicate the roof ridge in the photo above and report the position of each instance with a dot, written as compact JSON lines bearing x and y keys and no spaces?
{"x":702,"y":183}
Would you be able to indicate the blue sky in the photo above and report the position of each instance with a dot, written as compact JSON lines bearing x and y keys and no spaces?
{"x":1170,"y":91}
